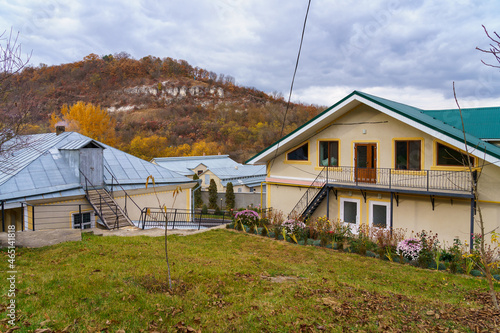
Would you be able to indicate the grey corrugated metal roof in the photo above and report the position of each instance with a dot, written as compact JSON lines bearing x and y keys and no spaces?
{"x":39,"y":170}
{"x":249,"y":181}
{"x":240,"y":171}
{"x":185,"y":164}
{"x":77,"y":144}
{"x":30,"y":147}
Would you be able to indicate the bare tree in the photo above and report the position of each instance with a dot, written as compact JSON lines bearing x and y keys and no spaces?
{"x":17,"y":102}
{"x":494,"y":48}
{"x":486,"y":255}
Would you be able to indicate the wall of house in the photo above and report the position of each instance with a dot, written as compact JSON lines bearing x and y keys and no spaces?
{"x":147,"y":198}
{"x":55,"y":214}
{"x":450,"y":218}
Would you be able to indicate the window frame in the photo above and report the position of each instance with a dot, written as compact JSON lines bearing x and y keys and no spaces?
{"x":328,"y":142}
{"x":439,"y":145}
{"x":354,"y":226}
{"x":89,"y":223}
{"x":408,"y":141}
{"x":387,"y":204}
{"x":296,"y":148}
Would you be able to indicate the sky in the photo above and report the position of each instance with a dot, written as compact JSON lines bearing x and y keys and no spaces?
{"x":407,"y":51}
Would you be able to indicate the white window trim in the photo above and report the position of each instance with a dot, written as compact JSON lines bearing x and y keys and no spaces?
{"x":380,"y":203}
{"x":355,"y":227}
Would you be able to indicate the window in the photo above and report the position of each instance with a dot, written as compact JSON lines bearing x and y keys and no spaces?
{"x":207,"y":180}
{"x":80,"y":220}
{"x":451,"y":157}
{"x":329,"y":153}
{"x":299,"y":154}
{"x":379,"y":214}
{"x":200,"y":172}
{"x":408,"y":155}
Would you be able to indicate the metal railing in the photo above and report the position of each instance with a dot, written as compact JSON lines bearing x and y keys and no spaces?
{"x":114,"y":182}
{"x":102,"y":200}
{"x":181,"y":218}
{"x":422,"y":181}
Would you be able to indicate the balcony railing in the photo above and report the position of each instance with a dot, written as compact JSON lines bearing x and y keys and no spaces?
{"x":455,"y":183}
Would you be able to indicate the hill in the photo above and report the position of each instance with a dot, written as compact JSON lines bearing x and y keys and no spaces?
{"x":187,"y":109}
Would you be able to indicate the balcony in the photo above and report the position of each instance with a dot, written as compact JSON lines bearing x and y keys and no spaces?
{"x":425,"y":182}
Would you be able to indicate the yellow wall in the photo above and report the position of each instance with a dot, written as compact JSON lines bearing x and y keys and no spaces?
{"x":147,"y":198}
{"x":364,"y":124}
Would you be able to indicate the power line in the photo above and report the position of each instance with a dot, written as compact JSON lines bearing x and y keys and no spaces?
{"x":293,"y":79}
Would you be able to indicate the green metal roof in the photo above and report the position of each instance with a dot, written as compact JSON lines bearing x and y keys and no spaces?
{"x":429,"y":119}
{"x":483,"y":123}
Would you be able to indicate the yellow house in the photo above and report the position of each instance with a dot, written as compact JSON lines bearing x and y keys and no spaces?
{"x":67,"y":180}
{"x":369,"y":160}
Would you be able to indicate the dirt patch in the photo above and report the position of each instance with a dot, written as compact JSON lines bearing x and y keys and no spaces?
{"x":154,"y":232}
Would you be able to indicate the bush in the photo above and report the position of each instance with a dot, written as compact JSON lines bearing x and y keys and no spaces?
{"x":204,"y":210}
{"x":476,"y":272}
{"x":409,"y":248}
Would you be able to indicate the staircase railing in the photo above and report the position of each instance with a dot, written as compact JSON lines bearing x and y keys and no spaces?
{"x":114,"y":182}
{"x":311,"y":192}
{"x":101,"y":200}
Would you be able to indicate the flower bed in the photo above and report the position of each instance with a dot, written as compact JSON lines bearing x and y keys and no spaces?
{"x":423,"y":249}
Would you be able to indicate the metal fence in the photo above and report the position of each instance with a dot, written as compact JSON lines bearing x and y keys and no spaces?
{"x":182,"y":218}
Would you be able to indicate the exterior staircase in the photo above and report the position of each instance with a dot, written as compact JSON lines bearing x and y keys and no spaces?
{"x":111,"y":214}
{"x":315,"y":202}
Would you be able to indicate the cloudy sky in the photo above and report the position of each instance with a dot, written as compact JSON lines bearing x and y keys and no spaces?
{"x":407,"y":51}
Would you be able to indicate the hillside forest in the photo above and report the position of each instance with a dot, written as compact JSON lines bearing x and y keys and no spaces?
{"x":153,"y":107}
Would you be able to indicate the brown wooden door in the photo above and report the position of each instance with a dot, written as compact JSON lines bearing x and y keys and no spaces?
{"x":365,"y":161}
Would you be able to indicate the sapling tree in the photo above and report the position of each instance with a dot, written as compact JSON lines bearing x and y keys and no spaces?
{"x":163,"y":210}
{"x":486,"y":259}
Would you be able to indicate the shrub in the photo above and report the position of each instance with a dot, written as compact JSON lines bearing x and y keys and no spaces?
{"x":409,"y":248}
{"x":229,"y":196}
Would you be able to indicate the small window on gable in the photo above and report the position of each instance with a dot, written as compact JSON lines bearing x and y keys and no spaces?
{"x":299,"y":154}
{"x":329,"y":153}
{"x":447,"y":156}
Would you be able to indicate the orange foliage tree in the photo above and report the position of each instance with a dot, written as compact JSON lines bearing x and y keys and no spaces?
{"x":87,"y":119}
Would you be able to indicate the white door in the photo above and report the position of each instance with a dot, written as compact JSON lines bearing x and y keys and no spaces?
{"x":350,"y":213}
{"x":379,"y":214}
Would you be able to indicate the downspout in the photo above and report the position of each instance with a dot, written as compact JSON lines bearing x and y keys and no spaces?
{"x":3,"y":216}
{"x":262,"y":195}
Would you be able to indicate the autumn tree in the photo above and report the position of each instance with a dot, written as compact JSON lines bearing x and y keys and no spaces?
{"x":148,"y":148}
{"x":212,"y":195}
{"x":87,"y":119}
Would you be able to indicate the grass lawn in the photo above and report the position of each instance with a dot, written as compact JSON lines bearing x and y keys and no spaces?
{"x":228,"y":281}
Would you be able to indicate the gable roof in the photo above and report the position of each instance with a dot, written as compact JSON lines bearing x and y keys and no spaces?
{"x":411,"y":115}
{"x":186,"y":164}
{"x":38,"y":169}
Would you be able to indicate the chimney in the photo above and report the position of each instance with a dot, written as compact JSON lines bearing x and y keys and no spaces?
{"x":60,"y":129}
